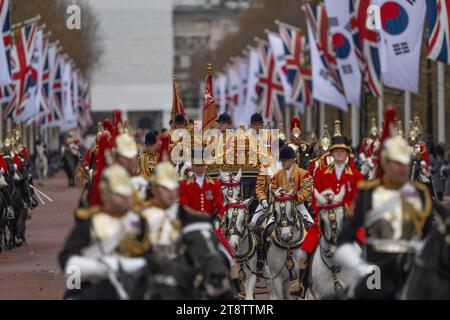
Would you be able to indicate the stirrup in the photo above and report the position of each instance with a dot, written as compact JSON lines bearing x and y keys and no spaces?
{"x":298,"y":290}
{"x":10,"y":213}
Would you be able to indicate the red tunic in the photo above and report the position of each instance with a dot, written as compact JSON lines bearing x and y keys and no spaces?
{"x":3,"y":164}
{"x":326,"y":179}
{"x":207,"y":199}
{"x":24,"y":153}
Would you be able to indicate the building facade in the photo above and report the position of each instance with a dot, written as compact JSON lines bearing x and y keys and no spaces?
{"x":197,"y":25}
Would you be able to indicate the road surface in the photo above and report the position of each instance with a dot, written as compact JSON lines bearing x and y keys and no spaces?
{"x":31,"y":271}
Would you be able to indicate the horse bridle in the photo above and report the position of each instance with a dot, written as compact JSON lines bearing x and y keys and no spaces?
{"x":232,"y":228}
{"x":283,"y":220}
{"x":333,"y":222}
{"x":229,"y":187}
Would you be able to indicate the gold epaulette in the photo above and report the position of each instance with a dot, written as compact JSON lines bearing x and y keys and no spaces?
{"x":209,"y":180}
{"x":190,"y":180}
{"x":428,"y":203}
{"x":86,"y":213}
{"x":368,"y":184}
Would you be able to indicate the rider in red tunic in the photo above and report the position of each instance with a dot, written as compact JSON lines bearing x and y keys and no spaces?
{"x":337,"y":175}
{"x":201,"y":195}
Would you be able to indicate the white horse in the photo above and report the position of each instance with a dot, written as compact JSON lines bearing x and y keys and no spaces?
{"x":41,"y":162}
{"x":328,"y":278}
{"x":243,"y":243}
{"x":230,"y":185}
{"x":284,"y":254}
{"x":184,"y":169}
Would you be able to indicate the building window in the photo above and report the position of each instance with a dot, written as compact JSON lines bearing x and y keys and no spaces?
{"x":185,"y":62}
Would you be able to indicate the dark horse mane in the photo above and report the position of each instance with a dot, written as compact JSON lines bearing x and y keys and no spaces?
{"x":430,"y":274}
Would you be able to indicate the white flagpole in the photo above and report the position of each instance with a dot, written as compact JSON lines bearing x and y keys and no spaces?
{"x":380,"y":109}
{"x":308,"y":119}
{"x":1,"y":125}
{"x":407,"y":116}
{"x":355,"y":126}
{"x":321,"y":117}
{"x":441,"y":103}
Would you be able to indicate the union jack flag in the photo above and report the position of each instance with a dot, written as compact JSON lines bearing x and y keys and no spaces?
{"x":55,"y":116}
{"x":44,"y":106}
{"x":270,"y":88}
{"x":318,"y":20}
{"x":22,"y":73}
{"x":6,"y":93}
{"x":439,"y":26}
{"x":298,"y":74}
{"x":366,"y":46}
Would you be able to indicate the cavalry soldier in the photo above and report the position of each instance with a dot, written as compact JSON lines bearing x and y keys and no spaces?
{"x":148,"y":160}
{"x":336,"y":176}
{"x":301,"y":148}
{"x":395,"y":215}
{"x":106,"y":244}
{"x":322,"y":155}
{"x":368,"y":149}
{"x":419,"y":149}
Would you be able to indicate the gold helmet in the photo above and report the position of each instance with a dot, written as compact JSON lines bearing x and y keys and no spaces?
{"x":125,"y":146}
{"x":17,"y":134}
{"x":115,"y":179}
{"x":325,"y":141}
{"x":373,"y":128}
{"x":394,"y":147}
{"x":7,"y":142}
{"x":281,"y":135}
{"x":337,"y":128}
{"x":296,"y":127}
{"x":400,"y":128}
{"x":418,"y":126}
{"x":413,"y":135}
{"x":165,"y":175}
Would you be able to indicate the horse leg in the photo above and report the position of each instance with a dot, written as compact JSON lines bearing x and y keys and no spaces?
{"x":249,"y":283}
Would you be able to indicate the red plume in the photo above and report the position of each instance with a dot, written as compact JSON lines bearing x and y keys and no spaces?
{"x":108,"y":125}
{"x":390,"y":113}
{"x":164,"y":141}
{"x":296,"y":123}
{"x":117,"y":117}
{"x":100,"y":163}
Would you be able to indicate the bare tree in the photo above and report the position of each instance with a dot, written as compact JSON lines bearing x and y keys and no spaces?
{"x":83,"y":46}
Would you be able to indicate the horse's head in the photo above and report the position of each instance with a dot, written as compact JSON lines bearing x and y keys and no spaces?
{"x":285,"y":214}
{"x":184,"y":169}
{"x":236,"y":215}
{"x":331,"y":214}
{"x":230,"y":185}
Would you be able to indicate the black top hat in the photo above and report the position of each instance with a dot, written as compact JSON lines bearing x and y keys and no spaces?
{"x":340,"y":142}
{"x":179,"y":119}
{"x":224,"y":117}
{"x":287,"y":153}
{"x":256,"y":118}
{"x":150,"y":138}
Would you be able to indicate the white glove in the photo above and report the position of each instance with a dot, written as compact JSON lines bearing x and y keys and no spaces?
{"x":265,"y":204}
{"x":90,"y":269}
{"x":133,"y":265}
{"x":2,"y":171}
{"x":15,"y":167}
{"x":349,"y":256}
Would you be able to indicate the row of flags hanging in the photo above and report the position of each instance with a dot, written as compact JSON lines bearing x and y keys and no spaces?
{"x":350,"y":48}
{"x":38,"y":82}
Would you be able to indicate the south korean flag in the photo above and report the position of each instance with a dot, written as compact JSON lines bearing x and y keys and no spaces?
{"x":400,"y":42}
{"x":338,"y":12}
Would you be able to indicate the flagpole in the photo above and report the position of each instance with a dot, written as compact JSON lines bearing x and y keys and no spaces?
{"x":321,"y":117}
{"x":441,"y":102}
{"x":308,"y":119}
{"x":355,"y":126}
{"x":380,"y":108}
{"x":24,"y":23}
{"x":407,"y":115}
